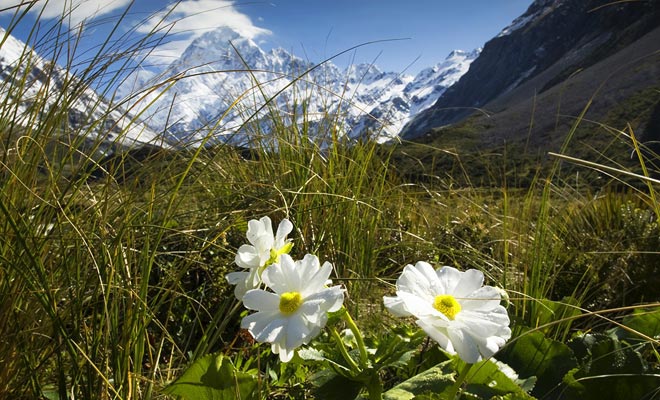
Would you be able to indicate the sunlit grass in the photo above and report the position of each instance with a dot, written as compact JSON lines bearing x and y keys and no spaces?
{"x":112,"y":276}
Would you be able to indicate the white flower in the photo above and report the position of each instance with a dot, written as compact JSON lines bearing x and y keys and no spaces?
{"x":263,"y":250}
{"x":298,"y":309}
{"x":453,"y":308}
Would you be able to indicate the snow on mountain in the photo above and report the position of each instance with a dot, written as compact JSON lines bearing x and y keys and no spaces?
{"x":536,"y":10}
{"x":423,"y":90}
{"x":31,"y":86}
{"x":223,"y":80}
{"x":222,"y":83}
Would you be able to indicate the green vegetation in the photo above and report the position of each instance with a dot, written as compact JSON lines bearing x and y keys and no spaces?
{"x":112,"y":268}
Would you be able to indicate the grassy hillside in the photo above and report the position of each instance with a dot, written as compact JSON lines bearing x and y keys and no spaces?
{"x":470,"y":147}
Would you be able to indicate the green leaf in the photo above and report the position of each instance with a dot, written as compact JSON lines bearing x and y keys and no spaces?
{"x":397,"y":349}
{"x":213,"y":377}
{"x":433,"y":380}
{"x":313,"y":355}
{"x":50,"y":392}
{"x":532,"y":354}
{"x":644,"y":321}
{"x":443,"y":396}
{"x":612,"y":386}
{"x":550,"y":313}
{"x":486,"y":380}
{"x":602,"y":354}
{"x":512,"y":396}
{"x":328,"y":385}
{"x":609,"y":369}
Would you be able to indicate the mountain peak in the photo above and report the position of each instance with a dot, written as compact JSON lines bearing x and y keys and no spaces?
{"x":457,"y":53}
{"x":221,"y":48}
{"x":12,"y":48}
{"x":379,"y":101}
{"x":535,"y":11}
{"x":222,"y":34}
{"x":221,"y":39}
{"x":541,"y":49}
{"x":39,"y":82}
{"x":364,"y":72}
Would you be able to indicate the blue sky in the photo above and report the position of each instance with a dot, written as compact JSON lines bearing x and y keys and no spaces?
{"x":312,"y":29}
{"x":433,"y":27}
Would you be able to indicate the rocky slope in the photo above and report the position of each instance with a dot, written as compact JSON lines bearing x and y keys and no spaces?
{"x":551,"y":48}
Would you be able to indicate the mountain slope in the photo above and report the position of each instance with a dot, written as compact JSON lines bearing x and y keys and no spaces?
{"x":629,"y":78}
{"x":32,"y":88}
{"x":539,"y":51}
{"x":220,"y":67}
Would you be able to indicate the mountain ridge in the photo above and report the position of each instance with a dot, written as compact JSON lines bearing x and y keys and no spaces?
{"x":43,"y":86}
{"x":220,"y":66}
{"x":567,"y":35}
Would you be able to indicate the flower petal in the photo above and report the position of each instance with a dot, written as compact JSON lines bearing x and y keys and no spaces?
{"x":313,"y":276}
{"x":448,"y":278}
{"x":259,"y":228}
{"x":491,"y":346}
{"x":311,"y":311}
{"x":439,"y":335}
{"x":464,"y":344}
{"x":285,"y":354}
{"x":296,"y":332}
{"x":419,"y":280}
{"x":265,"y":326}
{"x":234,"y":278}
{"x":396,"y":306}
{"x":239,"y":279}
{"x":284,"y":228}
{"x":261,"y":300}
{"x":247,"y":257}
{"x":296,"y":271}
{"x":485,"y":324}
{"x":329,"y":299}
{"x":263,"y":244}
{"x":418,"y":306}
{"x":281,"y":277}
{"x":485,"y":332}
{"x":483,"y":299}
{"x":470,"y":281}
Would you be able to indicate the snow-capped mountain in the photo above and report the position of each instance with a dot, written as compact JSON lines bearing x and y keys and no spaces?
{"x":541,"y":52}
{"x":223,"y":80}
{"x":31,"y":87}
{"x":538,"y":10}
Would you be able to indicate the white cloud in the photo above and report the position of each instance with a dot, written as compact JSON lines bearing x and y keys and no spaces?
{"x":189,"y":19}
{"x":183,"y":21}
{"x":75,"y":11}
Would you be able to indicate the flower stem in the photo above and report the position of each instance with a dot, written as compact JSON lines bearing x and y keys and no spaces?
{"x":453,"y":393}
{"x":364,"y":358}
{"x":374,"y":387}
{"x":343,"y":351}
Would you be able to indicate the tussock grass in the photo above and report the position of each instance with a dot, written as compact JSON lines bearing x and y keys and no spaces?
{"x":113,"y":263}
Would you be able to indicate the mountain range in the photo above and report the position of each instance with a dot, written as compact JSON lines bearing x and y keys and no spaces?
{"x":32,"y":87}
{"x":528,"y":83}
{"x":220,"y":67}
{"x":559,"y":60}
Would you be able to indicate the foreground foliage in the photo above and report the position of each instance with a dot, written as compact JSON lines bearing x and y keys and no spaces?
{"x":113,"y":265}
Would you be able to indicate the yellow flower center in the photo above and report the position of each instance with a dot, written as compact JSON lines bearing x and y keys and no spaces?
{"x":290,"y":302}
{"x":446,"y":304}
{"x":276,"y":253}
